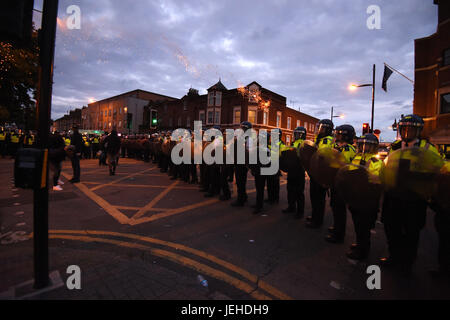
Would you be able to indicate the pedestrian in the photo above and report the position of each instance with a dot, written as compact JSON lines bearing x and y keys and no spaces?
{"x":56,"y":156}
{"x":112,"y":149}
{"x":317,"y":193}
{"x":3,"y":136}
{"x":77,"y":142}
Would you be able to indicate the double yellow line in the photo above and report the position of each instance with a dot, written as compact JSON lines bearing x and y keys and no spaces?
{"x":246,"y":282}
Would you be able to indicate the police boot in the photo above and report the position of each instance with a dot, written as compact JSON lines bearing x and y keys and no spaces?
{"x":358,"y":253}
{"x":333,"y":238}
{"x":289,"y":209}
{"x":389,"y":262}
{"x":238,"y":203}
{"x":312,"y":225}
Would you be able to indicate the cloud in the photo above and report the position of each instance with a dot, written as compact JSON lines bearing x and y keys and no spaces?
{"x":307,"y":51}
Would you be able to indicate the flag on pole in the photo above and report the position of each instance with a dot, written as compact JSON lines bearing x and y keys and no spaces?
{"x":386,"y":75}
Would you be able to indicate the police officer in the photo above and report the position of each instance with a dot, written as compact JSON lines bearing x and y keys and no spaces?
{"x":344,"y":137}
{"x":14,"y":143}
{"x":404,"y":218}
{"x":241,"y":171}
{"x":260,"y":179}
{"x":95,"y":146}
{"x":364,"y":220}
{"x":442,"y":225}
{"x":2,"y":142}
{"x":214,"y":180}
{"x":296,"y":179}
{"x":317,"y":193}
{"x":273,"y":181}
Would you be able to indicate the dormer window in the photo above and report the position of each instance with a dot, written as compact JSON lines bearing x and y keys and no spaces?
{"x":215,"y":98}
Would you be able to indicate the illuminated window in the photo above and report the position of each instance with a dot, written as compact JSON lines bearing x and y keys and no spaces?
{"x":237,"y":115}
{"x":120,"y":124}
{"x":251,"y":116}
{"x":298,"y":123}
{"x":278,"y":119}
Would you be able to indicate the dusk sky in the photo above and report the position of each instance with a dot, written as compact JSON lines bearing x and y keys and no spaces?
{"x":308,"y":51}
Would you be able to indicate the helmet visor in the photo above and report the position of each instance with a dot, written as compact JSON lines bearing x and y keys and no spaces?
{"x":409,"y":133}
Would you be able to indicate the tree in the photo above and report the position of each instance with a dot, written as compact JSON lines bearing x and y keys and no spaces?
{"x":18,"y":83}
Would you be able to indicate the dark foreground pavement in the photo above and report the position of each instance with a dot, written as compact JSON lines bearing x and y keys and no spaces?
{"x":139,"y":235}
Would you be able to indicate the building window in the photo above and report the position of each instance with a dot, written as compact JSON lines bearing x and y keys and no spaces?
{"x":237,"y":115}
{"x":211,"y":98}
{"x":278,"y":119}
{"x":179,"y":121}
{"x":120,"y":110}
{"x":120,"y":124}
{"x":188,"y":122}
{"x":184,"y":105}
{"x":298,"y":123}
{"x":201,"y":116}
{"x":217,"y":117}
{"x":289,"y":122}
{"x":210,"y":119}
{"x":109,"y":113}
{"x":445,"y":103}
{"x":306,"y":126}
{"x":446,"y":60}
{"x":265,"y":118}
{"x":251,"y":115}
{"x":106,"y":113}
{"x":218,"y":99}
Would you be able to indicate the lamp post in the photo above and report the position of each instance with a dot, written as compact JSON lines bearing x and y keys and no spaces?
{"x":354,"y":86}
{"x":332,"y":116}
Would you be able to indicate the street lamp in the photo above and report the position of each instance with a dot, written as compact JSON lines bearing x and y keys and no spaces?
{"x":332,"y":116}
{"x":353,"y":87}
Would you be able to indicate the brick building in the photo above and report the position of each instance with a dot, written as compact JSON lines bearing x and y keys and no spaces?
{"x":432,"y":79}
{"x":66,"y":123}
{"x":125,"y":112}
{"x":229,"y":107}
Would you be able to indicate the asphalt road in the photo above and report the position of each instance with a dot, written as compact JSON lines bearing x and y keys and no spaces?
{"x":140,"y":235}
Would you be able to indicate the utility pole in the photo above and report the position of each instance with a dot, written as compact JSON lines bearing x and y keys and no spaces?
{"x":44,"y":100}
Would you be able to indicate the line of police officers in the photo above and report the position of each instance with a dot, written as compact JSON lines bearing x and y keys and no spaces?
{"x":403,"y":217}
{"x":12,"y":140}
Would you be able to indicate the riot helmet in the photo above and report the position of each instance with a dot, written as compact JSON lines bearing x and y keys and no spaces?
{"x":299,"y":133}
{"x":367,"y":143}
{"x":325,"y":128}
{"x":410,"y":127}
{"x":345,"y":133}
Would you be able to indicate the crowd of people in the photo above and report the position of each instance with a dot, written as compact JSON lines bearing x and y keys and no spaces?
{"x":379,"y":195}
{"x":398,"y":190}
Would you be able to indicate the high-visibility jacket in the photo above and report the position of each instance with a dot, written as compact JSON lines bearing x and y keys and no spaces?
{"x":30,"y":140}
{"x":2,"y":136}
{"x":348,"y":151}
{"x":67,"y":141}
{"x":371,"y":163}
{"x":95,"y":140}
{"x":15,"y":138}
{"x":325,"y":142}
{"x":297,"y":144}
